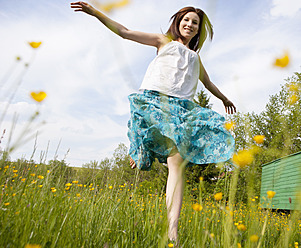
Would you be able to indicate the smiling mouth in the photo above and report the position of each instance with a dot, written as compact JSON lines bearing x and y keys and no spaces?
{"x":188,"y":29}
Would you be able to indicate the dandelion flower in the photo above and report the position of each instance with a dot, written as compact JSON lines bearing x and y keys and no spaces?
{"x":218,"y":196}
{"x":292,"y":99}
{"x":229,"y":125}
{"x":111,"y":187}
{"x":53,"y":190}
{"x":283,"y":61}
{"x":271,"y":194}
{"x":35,"y":45}
{"x":254,"y":238}
{"x":38,"y":96}
{"x":32,"y":246}
{"x":293,"y":87}
{"x":241,"y":227}
{"x":68,"y":184}
{"x":170,"y":245}
{"x":243,"y":158}
{"x":259,"y":139}
{"x":40,"y":177}
{"x":197,"y":207}
{"x":107,"y":7}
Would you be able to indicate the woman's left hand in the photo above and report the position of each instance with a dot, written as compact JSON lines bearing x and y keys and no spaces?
{"x":229,"y":106}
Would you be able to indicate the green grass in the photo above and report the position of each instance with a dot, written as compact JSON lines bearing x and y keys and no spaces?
{"x":44,"y":211}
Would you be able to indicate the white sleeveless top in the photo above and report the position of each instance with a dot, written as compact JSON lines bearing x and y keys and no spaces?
{"x":174,"y":71}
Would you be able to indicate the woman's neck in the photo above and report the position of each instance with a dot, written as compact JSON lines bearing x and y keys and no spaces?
{"x":184,"y":42}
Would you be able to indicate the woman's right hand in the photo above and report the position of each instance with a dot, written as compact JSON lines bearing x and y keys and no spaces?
{"x":84,"y":7}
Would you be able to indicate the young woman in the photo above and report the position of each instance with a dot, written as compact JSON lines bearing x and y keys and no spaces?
{"x":165,"y":123}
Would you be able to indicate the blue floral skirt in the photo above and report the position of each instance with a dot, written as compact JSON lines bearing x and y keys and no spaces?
{"x":161,"y":124}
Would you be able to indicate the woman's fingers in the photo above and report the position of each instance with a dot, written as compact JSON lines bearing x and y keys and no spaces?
{"x":230,"y":109}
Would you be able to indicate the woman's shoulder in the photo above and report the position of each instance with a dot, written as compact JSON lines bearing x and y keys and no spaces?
{"x":164,"y":40}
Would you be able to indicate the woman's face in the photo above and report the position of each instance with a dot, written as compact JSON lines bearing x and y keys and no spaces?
{"x":189,"y":25}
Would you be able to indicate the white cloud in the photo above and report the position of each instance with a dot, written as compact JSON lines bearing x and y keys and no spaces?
{"x":286,"y":8}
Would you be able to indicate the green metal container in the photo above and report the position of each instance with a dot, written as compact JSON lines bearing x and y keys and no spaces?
{"x":282,"y":176}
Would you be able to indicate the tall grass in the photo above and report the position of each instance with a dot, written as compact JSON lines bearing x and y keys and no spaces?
{"x":39,"y":206}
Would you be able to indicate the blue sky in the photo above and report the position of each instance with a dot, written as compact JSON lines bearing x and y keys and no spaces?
{"x":88,"y":72}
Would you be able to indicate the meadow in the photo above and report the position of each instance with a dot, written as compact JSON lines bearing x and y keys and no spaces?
{"x":41,"y":206}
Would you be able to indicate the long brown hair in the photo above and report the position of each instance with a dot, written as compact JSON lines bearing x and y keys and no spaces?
{"x":205,"y":28}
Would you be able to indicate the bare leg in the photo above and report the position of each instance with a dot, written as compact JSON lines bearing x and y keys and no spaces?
{"x":174,"y":193}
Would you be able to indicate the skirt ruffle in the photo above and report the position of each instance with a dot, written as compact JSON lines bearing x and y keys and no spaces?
{"x":161,"y":123}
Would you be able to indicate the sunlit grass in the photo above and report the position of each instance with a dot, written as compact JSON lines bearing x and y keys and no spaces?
{"x":40,"y":207}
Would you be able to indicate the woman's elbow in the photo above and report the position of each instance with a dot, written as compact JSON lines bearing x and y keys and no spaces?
{"x":124,"y":33}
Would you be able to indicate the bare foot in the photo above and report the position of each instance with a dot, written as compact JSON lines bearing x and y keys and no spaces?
{"x":132,"y":163}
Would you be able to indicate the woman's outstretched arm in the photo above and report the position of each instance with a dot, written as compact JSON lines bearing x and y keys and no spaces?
{"x":229,"y":106}
{"x":156,"y":40}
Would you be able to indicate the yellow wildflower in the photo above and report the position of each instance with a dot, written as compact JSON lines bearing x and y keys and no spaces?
{"x":6,"y":203}
{"x":40,"y":177}
{"x":68,"y":184}
{"x":293,"y":99}
{"x":40,"y":186}
{"x":201,"y":179}
{"x":229,"y":125}
{"x":254,"y":238}
{"x":110,"y":6}
{"x":32,"y":246}
{"x":238,"y":245}
{"x":38,"y":96}
{"x":23,"y":179}
{"x":53,"y":190}
{"x":218,"y":196}
{"x":197,"y":207}
{"x":32,"y":174}
{"x":283,"y":61}
{"x":35,"y":44}
{"x":241,"y":227}
{"x":243,"y":158}
{"x":15,"y":171}
{"x":259,"y":139}
{"x":75,"y":182}
{"x":170,"y":245}
{"x":111,"y":187}
{"x":271,"y":194}
{"x":293,"y":87}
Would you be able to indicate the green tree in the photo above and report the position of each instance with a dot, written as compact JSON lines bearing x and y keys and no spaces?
{"x":279,"y":122}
